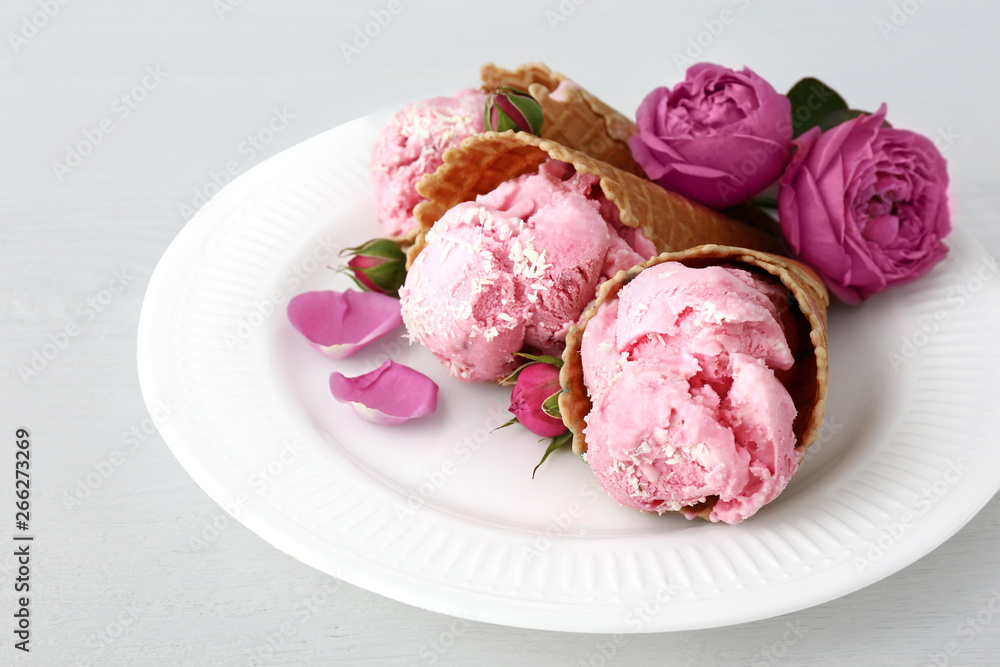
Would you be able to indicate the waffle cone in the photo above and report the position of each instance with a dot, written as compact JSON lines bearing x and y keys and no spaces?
{"x":668,"y":220}
{"x":807,"y":386}
{"x":577,"y":120}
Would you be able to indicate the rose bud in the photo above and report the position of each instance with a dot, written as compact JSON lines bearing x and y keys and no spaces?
{"x":509,"y":108}
{"x":865,"y":205}
{"x":537,"y":384}
{"x":719,"y":137}
{"x":378,"y":266}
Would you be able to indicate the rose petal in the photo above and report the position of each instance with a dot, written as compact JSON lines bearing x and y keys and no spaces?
{"x":339,"y":324}
{"x":389,"y":395}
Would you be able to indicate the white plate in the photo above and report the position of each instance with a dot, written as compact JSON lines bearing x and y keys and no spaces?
{"x":442,"y":513}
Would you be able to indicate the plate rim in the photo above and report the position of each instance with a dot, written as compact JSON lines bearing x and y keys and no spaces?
{"x":158,"y":292}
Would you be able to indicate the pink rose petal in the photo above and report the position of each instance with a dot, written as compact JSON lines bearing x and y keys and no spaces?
{"x":339,"y":324}
{"x":389,"y":395}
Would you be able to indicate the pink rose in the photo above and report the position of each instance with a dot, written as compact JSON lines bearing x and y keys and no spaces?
{"x":536,"y":383}
{"x":866,"y":205}
{"x":719,"y":137}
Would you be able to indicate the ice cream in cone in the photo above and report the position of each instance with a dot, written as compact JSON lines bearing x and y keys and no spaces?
{"x":668,"y":220}
{"x":409,"y":146}
{"x":411,"y":143}
{"x":512,"y":269}
{"x":697,"y":380}
{"x":501,"y":197}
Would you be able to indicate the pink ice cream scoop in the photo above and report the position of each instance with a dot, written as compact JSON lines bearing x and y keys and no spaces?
{"x":514,"y":269}
{"x":411,"y":144}
{"x":686,"y":405}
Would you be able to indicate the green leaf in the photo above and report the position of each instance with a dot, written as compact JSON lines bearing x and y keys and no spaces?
{"x":386,"y":248}
{"x":512,"y":378}
{"x":541,"y":359}
{"x":765,"y":200}
{"x":556,"y":443}
{"x":513,"y":420}
{"x":550,"y":405}
{"x":527,"y":105}
{"x":505,"y":122}
{"x":532,"y":359}
{"x":350,"y":274}
{"x":812,"y":100}
{"x":389,"y":276}
{"x":353,"y":250}
{"x":835,"y":118}
{"x":531,"y":110}
{"x":487,"y":108}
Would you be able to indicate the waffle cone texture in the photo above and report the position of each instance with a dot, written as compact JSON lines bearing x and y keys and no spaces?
{"x":577,"y":119}
{"x":807,"y":387}
{"x":670,"y":221}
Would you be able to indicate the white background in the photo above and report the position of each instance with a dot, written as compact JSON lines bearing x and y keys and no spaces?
{"x":117,"y":578}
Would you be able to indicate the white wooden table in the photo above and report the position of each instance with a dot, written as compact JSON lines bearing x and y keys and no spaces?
{"x":118,"y":119}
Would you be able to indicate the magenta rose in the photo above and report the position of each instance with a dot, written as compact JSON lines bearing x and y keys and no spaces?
{"x":866,"y":205}
{"x":536,"y":383}
{"x":718,"y":137}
